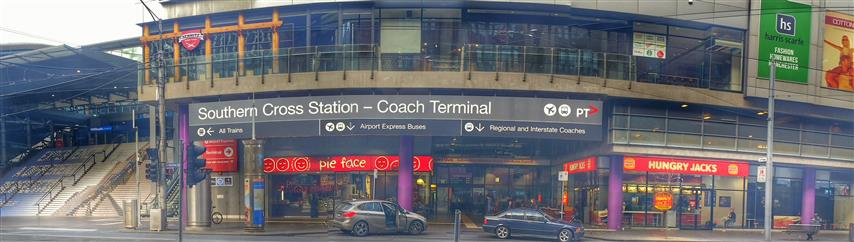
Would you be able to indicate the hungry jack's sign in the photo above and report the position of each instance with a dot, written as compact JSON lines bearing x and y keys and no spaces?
{"x":685,"y":166}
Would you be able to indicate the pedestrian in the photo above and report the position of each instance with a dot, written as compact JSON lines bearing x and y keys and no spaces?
{"x":729,"y":220}
{"x":490,"y":203}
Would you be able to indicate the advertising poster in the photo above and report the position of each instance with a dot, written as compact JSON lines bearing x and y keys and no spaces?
{"x":649,"y":45}
{"x":221,"y":155}
{"x":784,"y":36}
{"x":837,"y":62}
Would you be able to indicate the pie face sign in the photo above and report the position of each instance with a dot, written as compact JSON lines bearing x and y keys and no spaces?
{"x":191,"y":39}
{"x":685,"y":166}
{"x":343,"y":164}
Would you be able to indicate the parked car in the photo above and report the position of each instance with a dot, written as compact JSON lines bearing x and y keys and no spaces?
{"x":532,"y":222}
{"x":361,"y":218}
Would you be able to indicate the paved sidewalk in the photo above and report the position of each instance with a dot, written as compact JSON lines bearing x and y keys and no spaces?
{"x":274,"y":228}
{"x":673,"y":235}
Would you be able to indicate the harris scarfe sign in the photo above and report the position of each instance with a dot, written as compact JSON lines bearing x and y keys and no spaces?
{"x":784,"y":37}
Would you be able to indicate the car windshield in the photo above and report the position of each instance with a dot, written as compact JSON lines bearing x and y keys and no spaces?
{"x":549,"y":217}
{"x":344,"y":206}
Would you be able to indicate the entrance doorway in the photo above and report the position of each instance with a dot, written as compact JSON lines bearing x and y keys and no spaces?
{"x":690,"y":214}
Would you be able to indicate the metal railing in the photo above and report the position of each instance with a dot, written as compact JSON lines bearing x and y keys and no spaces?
{"x":78,"y":173}
{"x":464,"y":58}
{"x":84,"y":199}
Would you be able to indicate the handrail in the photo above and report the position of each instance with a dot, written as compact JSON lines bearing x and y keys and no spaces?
{"x":74,"y":176}
{"x":113,"y":181}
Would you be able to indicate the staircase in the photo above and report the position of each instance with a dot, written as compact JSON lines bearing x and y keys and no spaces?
{"x":126,"y":191}
{"x":91,"y":178}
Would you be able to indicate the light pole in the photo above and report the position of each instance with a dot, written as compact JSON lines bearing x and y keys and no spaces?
{"x":161,"y":117}
{"x":769,"y":182}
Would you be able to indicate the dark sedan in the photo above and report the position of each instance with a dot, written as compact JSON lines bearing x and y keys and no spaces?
{"x":531,"y":222}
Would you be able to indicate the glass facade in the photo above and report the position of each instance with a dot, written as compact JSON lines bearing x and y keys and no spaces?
{"x":713,"y":128}
{"x":473,"y":40}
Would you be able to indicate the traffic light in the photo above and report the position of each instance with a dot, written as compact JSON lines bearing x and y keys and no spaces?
{"x":151,"y":171}
{"x":196,"y":170}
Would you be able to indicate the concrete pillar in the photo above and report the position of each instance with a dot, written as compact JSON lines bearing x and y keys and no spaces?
{"x":184,"y":136}
{"x":808,"y":198}
{"x":253,"y":184}
{"x":615,"y":193}
{"x":152,"y":127}
{"x":404,"y":176}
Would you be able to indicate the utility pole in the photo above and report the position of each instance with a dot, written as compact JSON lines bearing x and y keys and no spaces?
{"x":136,"y":163}
{"x":769,"y":183}
{"x":161,"y":116}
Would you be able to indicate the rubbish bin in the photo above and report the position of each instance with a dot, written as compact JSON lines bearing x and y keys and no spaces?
{"x":131,"y":211}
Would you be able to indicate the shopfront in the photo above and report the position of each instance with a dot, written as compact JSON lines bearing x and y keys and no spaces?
{"x":312,"y":186}
{"x":703,"y":192}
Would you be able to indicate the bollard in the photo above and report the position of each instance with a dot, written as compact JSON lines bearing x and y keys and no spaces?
{"x":851,"y":232}
{"x":131,"y":211}
{"x":457,"y":225}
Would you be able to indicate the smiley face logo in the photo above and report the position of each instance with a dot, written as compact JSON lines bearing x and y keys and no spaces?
{"x":382,"y":163}
{"x":301,"y":164}
{"x":268,"y":165}
{"x":283,"y":165}
{"x":416,"y":163}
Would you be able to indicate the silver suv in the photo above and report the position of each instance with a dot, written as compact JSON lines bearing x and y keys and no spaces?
{"x":361,"y":218}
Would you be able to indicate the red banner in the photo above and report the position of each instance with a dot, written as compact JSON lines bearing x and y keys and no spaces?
{"x":343,"y":164}
{"x":221,"y":155}
{"x":584,"y":165}
{"x":685,"y":166}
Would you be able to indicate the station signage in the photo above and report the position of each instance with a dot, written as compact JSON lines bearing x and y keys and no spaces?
{"x":584,"y":165}
{"x":221,"y":155}
{"x":419,"y":115}
{"x":685,"y":166}
{"x":343,"y":164}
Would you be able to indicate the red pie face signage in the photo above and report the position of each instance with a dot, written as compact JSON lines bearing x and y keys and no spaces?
{"x":685,"y":166}
{"x":191,"y":39}
{"x":343,"y":164}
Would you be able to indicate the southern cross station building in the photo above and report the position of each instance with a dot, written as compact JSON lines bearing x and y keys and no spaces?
{"x":481,"y":106}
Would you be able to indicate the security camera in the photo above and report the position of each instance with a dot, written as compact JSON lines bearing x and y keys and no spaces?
{"x":690,"y":2}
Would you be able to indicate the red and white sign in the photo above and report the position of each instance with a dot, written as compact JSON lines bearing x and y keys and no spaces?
{"x":762,"y":174}
{"x":663,"y":201}
{"x":685,"y":166}
{"x":221,"y":155}
{"x":584,"y":165}
{"x":191,"y":39}
{"x":343,"y":164}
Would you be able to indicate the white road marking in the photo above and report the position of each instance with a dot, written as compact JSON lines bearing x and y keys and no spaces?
{"x":58,"y":229}
{"x":95,"y":237}
{"x":105,"y":219}
{"x":113,"y":223}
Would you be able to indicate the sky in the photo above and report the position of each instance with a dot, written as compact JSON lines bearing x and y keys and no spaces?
{"x":72,"y":22}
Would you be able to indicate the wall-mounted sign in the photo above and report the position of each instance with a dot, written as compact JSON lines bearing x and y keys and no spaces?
{"x":428,"y":115}
{"x":343,"y":164}
{"x":191,"y":39}
{"x":762,"y":174}
{"x":101,"y":129}
{"x":584,"y":165}
{"x":222,"y":181}
{"x":685,"y":166}
{"x":563,"y":176}
{"x":784,"y":36}
{"x":663,"y":201}
{"x":649,"y":45}
{"x":837,"y":58}
{"x":221,"y":155}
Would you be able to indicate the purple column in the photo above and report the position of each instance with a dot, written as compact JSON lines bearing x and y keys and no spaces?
{"x":404,"y":173}
{"x":808,"y":198}
{"x":184,"y":134}
{"x":615,"y":193}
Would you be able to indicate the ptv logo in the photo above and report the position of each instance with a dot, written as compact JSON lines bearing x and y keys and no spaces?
{"x":191,"y":39}
{"x":786,"y":24}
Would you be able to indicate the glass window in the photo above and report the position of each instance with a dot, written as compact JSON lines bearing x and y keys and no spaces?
{"x":620,"y":136}
{"x":534,"y":216}
{"x":841,"y":153}
{"x":516,"y":214}
{"x":787,"y":135}
{"x":258,"y":51}
{"x":356,"y":28}
{"x":814,"y":150}
{"x":620,"y":121}
{"x":712,"y":142}
{"x":785,"y":148}
{"x":715,"y":128}
{"x":323,"y":28}
{"x":651,"y":110}
{"x":224,"y":48}
{"x":751,"y":145}
{"x":685,"y":126}
{"x":293,"y":31}
{"x":842,"y":140}
{"x":647,"y":123}
{"x":683,"y":140}
{"x":815,"y":138}
{"x":753,"y":132}
{"x":649,"y":138}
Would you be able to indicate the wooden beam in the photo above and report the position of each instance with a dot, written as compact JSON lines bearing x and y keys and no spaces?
{"x":146,"y":55}
{"x":208,"y":49}
{"x":241,"y":40}
{"x":176,"y":55}
{"x":275,"y":44}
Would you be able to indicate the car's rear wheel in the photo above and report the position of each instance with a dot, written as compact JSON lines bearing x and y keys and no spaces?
{"x":416,"y":227}
{"x":360,"y":229}
{"x":564,"y":235}
{"x":502,"y":232}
